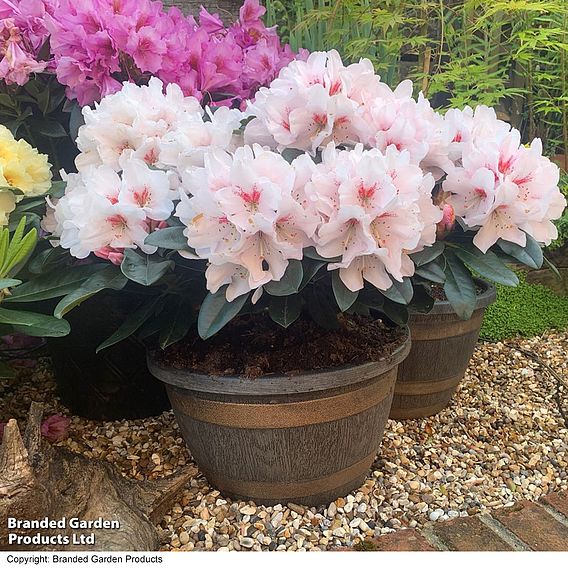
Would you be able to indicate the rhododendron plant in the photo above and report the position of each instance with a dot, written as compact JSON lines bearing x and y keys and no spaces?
{"x":330,"y":193}
{"x":96,"y":44}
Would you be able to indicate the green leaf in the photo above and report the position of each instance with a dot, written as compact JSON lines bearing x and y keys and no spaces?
{"x":344,"y":297}
{"x":36,"y":325}
{"x":395,"y":311}
{"x":131,"y":324}
{"x":169,"y":238}
{"x":109,"y":277}
{"x":285,"y":310}
{"x":530,"y":254}
{"x":310,"y":268}
{"x":428,"y":254}
{"x":47,"y":259}
{"x":459,"y":287}
{"x":290,"y":281}
{"x":53,"y":284}
{"x":180,"y":317}
{"x":487,"y":265}
{"x":400,"y":292}
{"x":216,"y":312}
{"x":20,"y":253}
{"x":144,"y":269}
{"x":57,"y":188}
{"x":432,"y":271}
{"x":50,"y":128}
{"x":9,"y":283}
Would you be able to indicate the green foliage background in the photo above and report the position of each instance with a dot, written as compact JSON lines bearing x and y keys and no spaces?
{"x":527,"y":310}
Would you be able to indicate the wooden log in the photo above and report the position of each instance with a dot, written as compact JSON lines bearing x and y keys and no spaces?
{"x":442,"y":345}
{"x":38,"y":480}
{"x":306,"y":438}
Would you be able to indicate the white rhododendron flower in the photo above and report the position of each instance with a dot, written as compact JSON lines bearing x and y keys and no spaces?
{"x":145,"y":121}
{"x":320,"y":100}
{"x":104,"y":212}
{"x":330,"y":158}
{"x":371,"y":214}
{"x":241,"y":216}
{"x":506,"y":190}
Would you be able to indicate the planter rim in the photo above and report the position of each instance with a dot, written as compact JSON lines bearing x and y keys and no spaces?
{"x":276,"y":384}
{"x":483,"y":300}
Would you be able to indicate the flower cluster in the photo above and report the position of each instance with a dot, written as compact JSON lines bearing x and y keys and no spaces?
{"x":320,"y":100}
{"x":164,"y":129}
{"x":134,"y":146}
{"x":24,"y":172}
{"x":99,"y":43}
{"x":374,"y":176}
{"x":497,"y":186}
{"x":249,"y":213}
{"x":22,"y":35}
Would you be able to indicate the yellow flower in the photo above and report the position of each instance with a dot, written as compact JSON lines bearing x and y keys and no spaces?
{"x":7,"y":205}
{"x":22,"y":166}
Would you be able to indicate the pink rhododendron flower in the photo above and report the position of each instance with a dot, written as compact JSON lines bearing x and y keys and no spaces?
{"x":55,"y":427}
{"x":503,"y":189}
{"x":99,"y":43}
{"x":17,"y":53}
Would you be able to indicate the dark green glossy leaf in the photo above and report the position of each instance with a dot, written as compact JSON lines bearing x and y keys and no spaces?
{"x":36,"y":325}
{"x":216,"y":312}
{"x":399,"y":292}
{"x":530,"y":254}
{"x":432,"y":272}
{"x":289,"y":283}
{"x":310,"y":269}
{"x":109,"y":278}
{"x":459,"y":287}
{"x":487,"y":265}
{"x":169,"y":238}
{"x":285,"y":310}
{"x":180,"y":318}
{"x":143,"y":268}
{"x":344,"y":297}
{"x":131,"y":324}
{"x":53,"y":284}
{"x":428,"y":254}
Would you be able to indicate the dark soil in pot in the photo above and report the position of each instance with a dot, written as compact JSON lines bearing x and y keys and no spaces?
{"x":261,"y":425}
{"x":114,"y":384}
{"x":442,"y":345}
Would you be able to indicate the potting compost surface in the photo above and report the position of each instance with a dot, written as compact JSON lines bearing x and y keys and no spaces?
{"x":251,"y":346}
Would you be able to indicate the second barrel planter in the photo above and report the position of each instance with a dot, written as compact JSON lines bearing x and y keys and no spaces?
{"x":442,"y":345}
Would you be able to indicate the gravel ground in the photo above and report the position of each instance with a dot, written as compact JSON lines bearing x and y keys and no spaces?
{"x":502,"y":439}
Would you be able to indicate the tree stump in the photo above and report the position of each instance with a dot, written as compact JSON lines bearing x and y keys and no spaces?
{"x":38,"y":480}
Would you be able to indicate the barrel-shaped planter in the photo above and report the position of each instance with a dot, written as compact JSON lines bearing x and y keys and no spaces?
{"x":306,"y":438}
{"x":442,"y":345}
